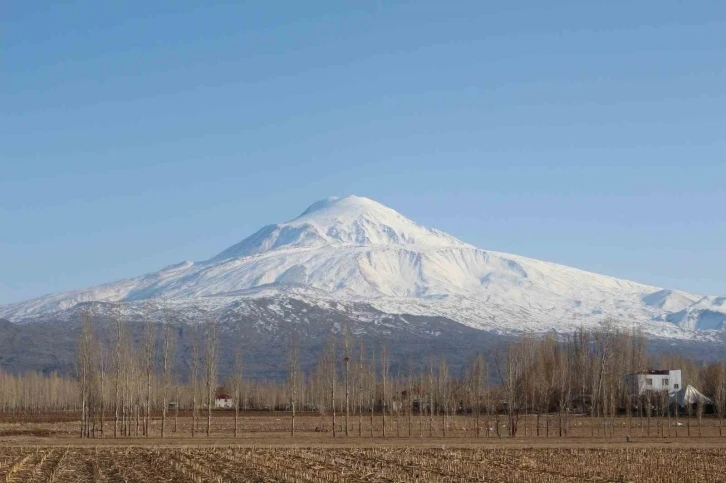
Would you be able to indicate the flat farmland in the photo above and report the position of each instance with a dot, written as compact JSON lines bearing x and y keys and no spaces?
{"x":258,"y":424}
{"x":218,"y":464}
{"x":45,"y":447}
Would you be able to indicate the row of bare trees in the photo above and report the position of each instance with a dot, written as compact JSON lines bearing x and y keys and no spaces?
{"x":533,"y":377}
{"x":37,"y":393}
{"x":132,"y":382}
{"x":136,"y":378}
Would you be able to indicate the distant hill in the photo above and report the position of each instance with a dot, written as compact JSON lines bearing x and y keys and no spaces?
{"x":36,"y":347}
{"x":47,"y":347}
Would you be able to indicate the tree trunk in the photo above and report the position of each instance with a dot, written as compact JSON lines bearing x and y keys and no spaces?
{"x":176,"y":408}
{"x":236,"y":414}
{"x":347,"y":392}
{"x":148,"y":404}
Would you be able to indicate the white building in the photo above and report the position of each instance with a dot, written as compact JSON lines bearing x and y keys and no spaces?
{"x":223,"y":401}
{"x":654,"y":380}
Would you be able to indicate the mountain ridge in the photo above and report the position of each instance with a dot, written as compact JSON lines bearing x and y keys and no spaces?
{"x":355,"y":250}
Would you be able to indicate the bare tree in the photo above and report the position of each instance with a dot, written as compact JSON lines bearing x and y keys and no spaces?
{"x":510,"y":366}
{"x":546,"y":378}
{"x":168,"y":356}
{"x":361,"y":373}
{"x":444,"y":390}
{"x":237,"y":385}
{"x":372,"y":382}
{"x":331,"y":363}
{"x":293,"y":368}
{"x":211,"y":362}
{"x":563,"y":373}
{"x":604,"y":352}
{"x":84,"y":369}
{"x":431,"y":396}
{"x":385,"y":367}
{"x":720,"y":397}
{"x":128,"y":372}
{"x":177,"y":402}
{"x":194,"y":375}
{"x":347,"y":340}
{"x":476,"y":385}
{"x":395,"y":401}
{"x":102,"y":357}
{"x":149,"y":341}
{"x":117,"y":368}
{"x":582,"y":360}
{"x":409,"y":395}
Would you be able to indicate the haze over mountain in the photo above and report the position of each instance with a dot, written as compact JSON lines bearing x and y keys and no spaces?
{"x":356,"y":257}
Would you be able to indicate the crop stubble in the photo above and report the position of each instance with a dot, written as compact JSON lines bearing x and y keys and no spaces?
{"x":204,"y":464}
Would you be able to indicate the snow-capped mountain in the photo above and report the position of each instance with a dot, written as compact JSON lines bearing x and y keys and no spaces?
{"x":357,"y":256}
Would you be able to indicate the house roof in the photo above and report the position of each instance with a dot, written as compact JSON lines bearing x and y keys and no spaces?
{"x":654,"y":372}
{"x":658,"y":372}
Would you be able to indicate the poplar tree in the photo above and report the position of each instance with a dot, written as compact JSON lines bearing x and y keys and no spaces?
{"x":293,"y":369}
{"x":211,"y":362}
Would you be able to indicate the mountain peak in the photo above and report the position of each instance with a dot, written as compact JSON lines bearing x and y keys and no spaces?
{"x":346,"y":221}
{"x":335,"y":210}
{"x":319,"y":205}
{"x":348,"y":204}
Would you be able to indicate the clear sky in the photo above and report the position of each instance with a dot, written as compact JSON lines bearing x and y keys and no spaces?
{"x":138,"y":134}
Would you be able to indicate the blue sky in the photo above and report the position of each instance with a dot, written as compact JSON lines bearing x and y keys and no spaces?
{"x":137,"y":134}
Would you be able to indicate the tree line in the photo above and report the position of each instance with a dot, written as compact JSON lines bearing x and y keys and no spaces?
{"x":121,"y":385}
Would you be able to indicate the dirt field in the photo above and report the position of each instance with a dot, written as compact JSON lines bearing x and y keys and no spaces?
{"x":46,"y":448}
{"x":66,"y":425}
{"x":373,"y":464}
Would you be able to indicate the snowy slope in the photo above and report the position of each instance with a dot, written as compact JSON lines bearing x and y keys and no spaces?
{"x":709,"y":313}
{"x":354,"y":250}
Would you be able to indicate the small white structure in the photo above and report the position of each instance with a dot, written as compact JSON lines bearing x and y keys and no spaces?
{"x":689,"y":396}
{"x":654,"y":380}
{"x":223,"y":401}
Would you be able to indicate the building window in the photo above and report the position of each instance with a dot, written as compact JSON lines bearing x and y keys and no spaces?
{"x":665,"y":382}
{"x":675,"y":386}
{"x":649,"y":381}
